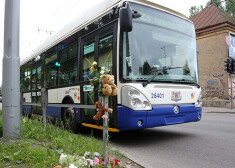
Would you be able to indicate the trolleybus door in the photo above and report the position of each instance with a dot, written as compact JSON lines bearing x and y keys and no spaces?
{"x":99,"y":47}
{"x":36,"y":85}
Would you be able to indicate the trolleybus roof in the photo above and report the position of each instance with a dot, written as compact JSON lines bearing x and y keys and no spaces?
{"x":84,"y":19}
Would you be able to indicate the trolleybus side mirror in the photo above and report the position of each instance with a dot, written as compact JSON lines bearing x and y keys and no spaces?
{"x":125,"y":14}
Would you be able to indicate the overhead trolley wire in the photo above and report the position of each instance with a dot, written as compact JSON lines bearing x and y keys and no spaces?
{"x":53,"y":14}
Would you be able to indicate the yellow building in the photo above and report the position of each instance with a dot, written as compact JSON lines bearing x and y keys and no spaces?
{"x":212,"y":25}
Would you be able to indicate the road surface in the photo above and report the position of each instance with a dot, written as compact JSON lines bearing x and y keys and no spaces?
{"x":208,"y":143}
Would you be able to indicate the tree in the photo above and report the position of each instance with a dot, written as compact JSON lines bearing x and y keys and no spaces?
{"x":230,"y":7}
{"x":146,"y":68}
{"x":195,"y":10}
{"x":217,"y":3}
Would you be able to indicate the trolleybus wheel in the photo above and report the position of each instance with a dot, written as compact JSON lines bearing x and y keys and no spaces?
{"x":68,"y":118}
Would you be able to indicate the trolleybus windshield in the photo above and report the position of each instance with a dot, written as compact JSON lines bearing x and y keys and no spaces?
{"x":159,"y":40}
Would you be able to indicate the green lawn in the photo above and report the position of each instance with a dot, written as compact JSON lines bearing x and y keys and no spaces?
{"x":39,"y":147}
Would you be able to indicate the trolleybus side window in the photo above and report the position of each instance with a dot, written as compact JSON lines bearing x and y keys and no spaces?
{"x":36,"y":85}
{"x":51,"y":71}
{"x":39,"y":77}
{"x":105,"y":58}
{"x":68,"y":65}
{"x":106,"y":52}
{"x":25,"y":73}
{"x":88,"y":58}
{"x":34,"y":78}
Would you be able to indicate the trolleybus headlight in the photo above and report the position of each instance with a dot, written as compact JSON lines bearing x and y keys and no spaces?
{"x":133,"y":92}
{"x":134,"y":99}
{"x":146,"y":104}
{"x":136,"y":102}
{"x":133,"y":102}
{"x":199,"y":101}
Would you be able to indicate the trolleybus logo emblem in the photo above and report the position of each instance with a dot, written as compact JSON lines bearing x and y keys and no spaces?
{"x":176,"y":109}
{"x":176,"y":96}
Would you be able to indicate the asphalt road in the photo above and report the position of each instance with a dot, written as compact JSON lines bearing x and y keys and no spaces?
{"x":208,"y":143}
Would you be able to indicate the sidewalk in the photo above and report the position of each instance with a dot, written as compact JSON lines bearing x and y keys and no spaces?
{"x":217,"y":110}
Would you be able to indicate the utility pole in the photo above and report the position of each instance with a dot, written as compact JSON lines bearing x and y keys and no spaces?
{"x":11,"y":71}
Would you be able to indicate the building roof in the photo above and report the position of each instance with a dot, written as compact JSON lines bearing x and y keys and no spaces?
{"x":212,"y":18}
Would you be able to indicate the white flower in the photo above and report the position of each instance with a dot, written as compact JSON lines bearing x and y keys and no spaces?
{"x":96,"y":154}
{"x":102,"y":72}
{"x":94,"y":63}
{"x":62,"y":156}
{"x":87,"y":153}
{"x":103,"y":68}
{"x":72,"y":166}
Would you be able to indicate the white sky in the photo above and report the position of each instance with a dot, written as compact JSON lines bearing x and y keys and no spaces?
{"x":51,"y":15}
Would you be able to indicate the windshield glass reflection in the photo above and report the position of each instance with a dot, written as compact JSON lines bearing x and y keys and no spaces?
{"x":159,"y":41}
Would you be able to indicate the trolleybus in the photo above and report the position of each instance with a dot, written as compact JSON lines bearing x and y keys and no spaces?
{"x":150,"y":49}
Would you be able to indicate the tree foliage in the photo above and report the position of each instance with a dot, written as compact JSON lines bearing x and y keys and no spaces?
{"x":229,"y":7}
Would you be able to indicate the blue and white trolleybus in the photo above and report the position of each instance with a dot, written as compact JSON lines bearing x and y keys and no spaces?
{"x":150,"y":49}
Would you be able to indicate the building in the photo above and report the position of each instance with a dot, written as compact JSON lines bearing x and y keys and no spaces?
{"x":212,"y":25}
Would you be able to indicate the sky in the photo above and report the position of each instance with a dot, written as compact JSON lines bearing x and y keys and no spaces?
{"x":39,"y":19}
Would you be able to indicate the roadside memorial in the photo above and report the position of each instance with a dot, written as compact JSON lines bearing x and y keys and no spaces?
{"x":103,"y":82}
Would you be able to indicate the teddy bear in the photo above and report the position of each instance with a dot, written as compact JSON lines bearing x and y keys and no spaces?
{"x":109,"y":88}
{"x":100,"y":110}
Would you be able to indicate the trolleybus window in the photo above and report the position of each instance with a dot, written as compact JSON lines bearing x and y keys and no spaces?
{"x":50,"y":74}
{"x":88,"y":58}
{"x":168,"y":41}
{"x":105,"y":58}
{"x":105,"y":48}
{"x":68,"y":65}
{"x":25,"y":72}
{"x":105,"y":52}
{"x":34,"y":79}
{"x":39,"y":74}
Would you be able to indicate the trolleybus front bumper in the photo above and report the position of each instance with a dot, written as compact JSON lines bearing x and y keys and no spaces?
{"x":129,"y":119}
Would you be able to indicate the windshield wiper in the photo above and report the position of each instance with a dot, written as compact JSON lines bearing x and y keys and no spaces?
{"x":157,"y":72}
{"x":190,"y":81}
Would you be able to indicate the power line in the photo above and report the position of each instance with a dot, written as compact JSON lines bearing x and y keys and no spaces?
{"x":65,"y":13}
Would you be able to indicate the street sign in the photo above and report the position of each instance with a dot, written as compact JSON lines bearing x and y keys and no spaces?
{"x":228,"y":40}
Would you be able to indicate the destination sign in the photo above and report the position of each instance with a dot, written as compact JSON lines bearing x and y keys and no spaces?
{"x":163,"y":19}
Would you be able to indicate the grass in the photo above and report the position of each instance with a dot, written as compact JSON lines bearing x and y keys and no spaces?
{"x":39,"y":147}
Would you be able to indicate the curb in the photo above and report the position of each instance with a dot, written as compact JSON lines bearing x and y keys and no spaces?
{"x":217,"y":110}
{"x":133,"y":159}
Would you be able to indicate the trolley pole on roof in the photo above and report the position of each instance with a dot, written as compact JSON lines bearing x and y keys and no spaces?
{"x":11,"y":71}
